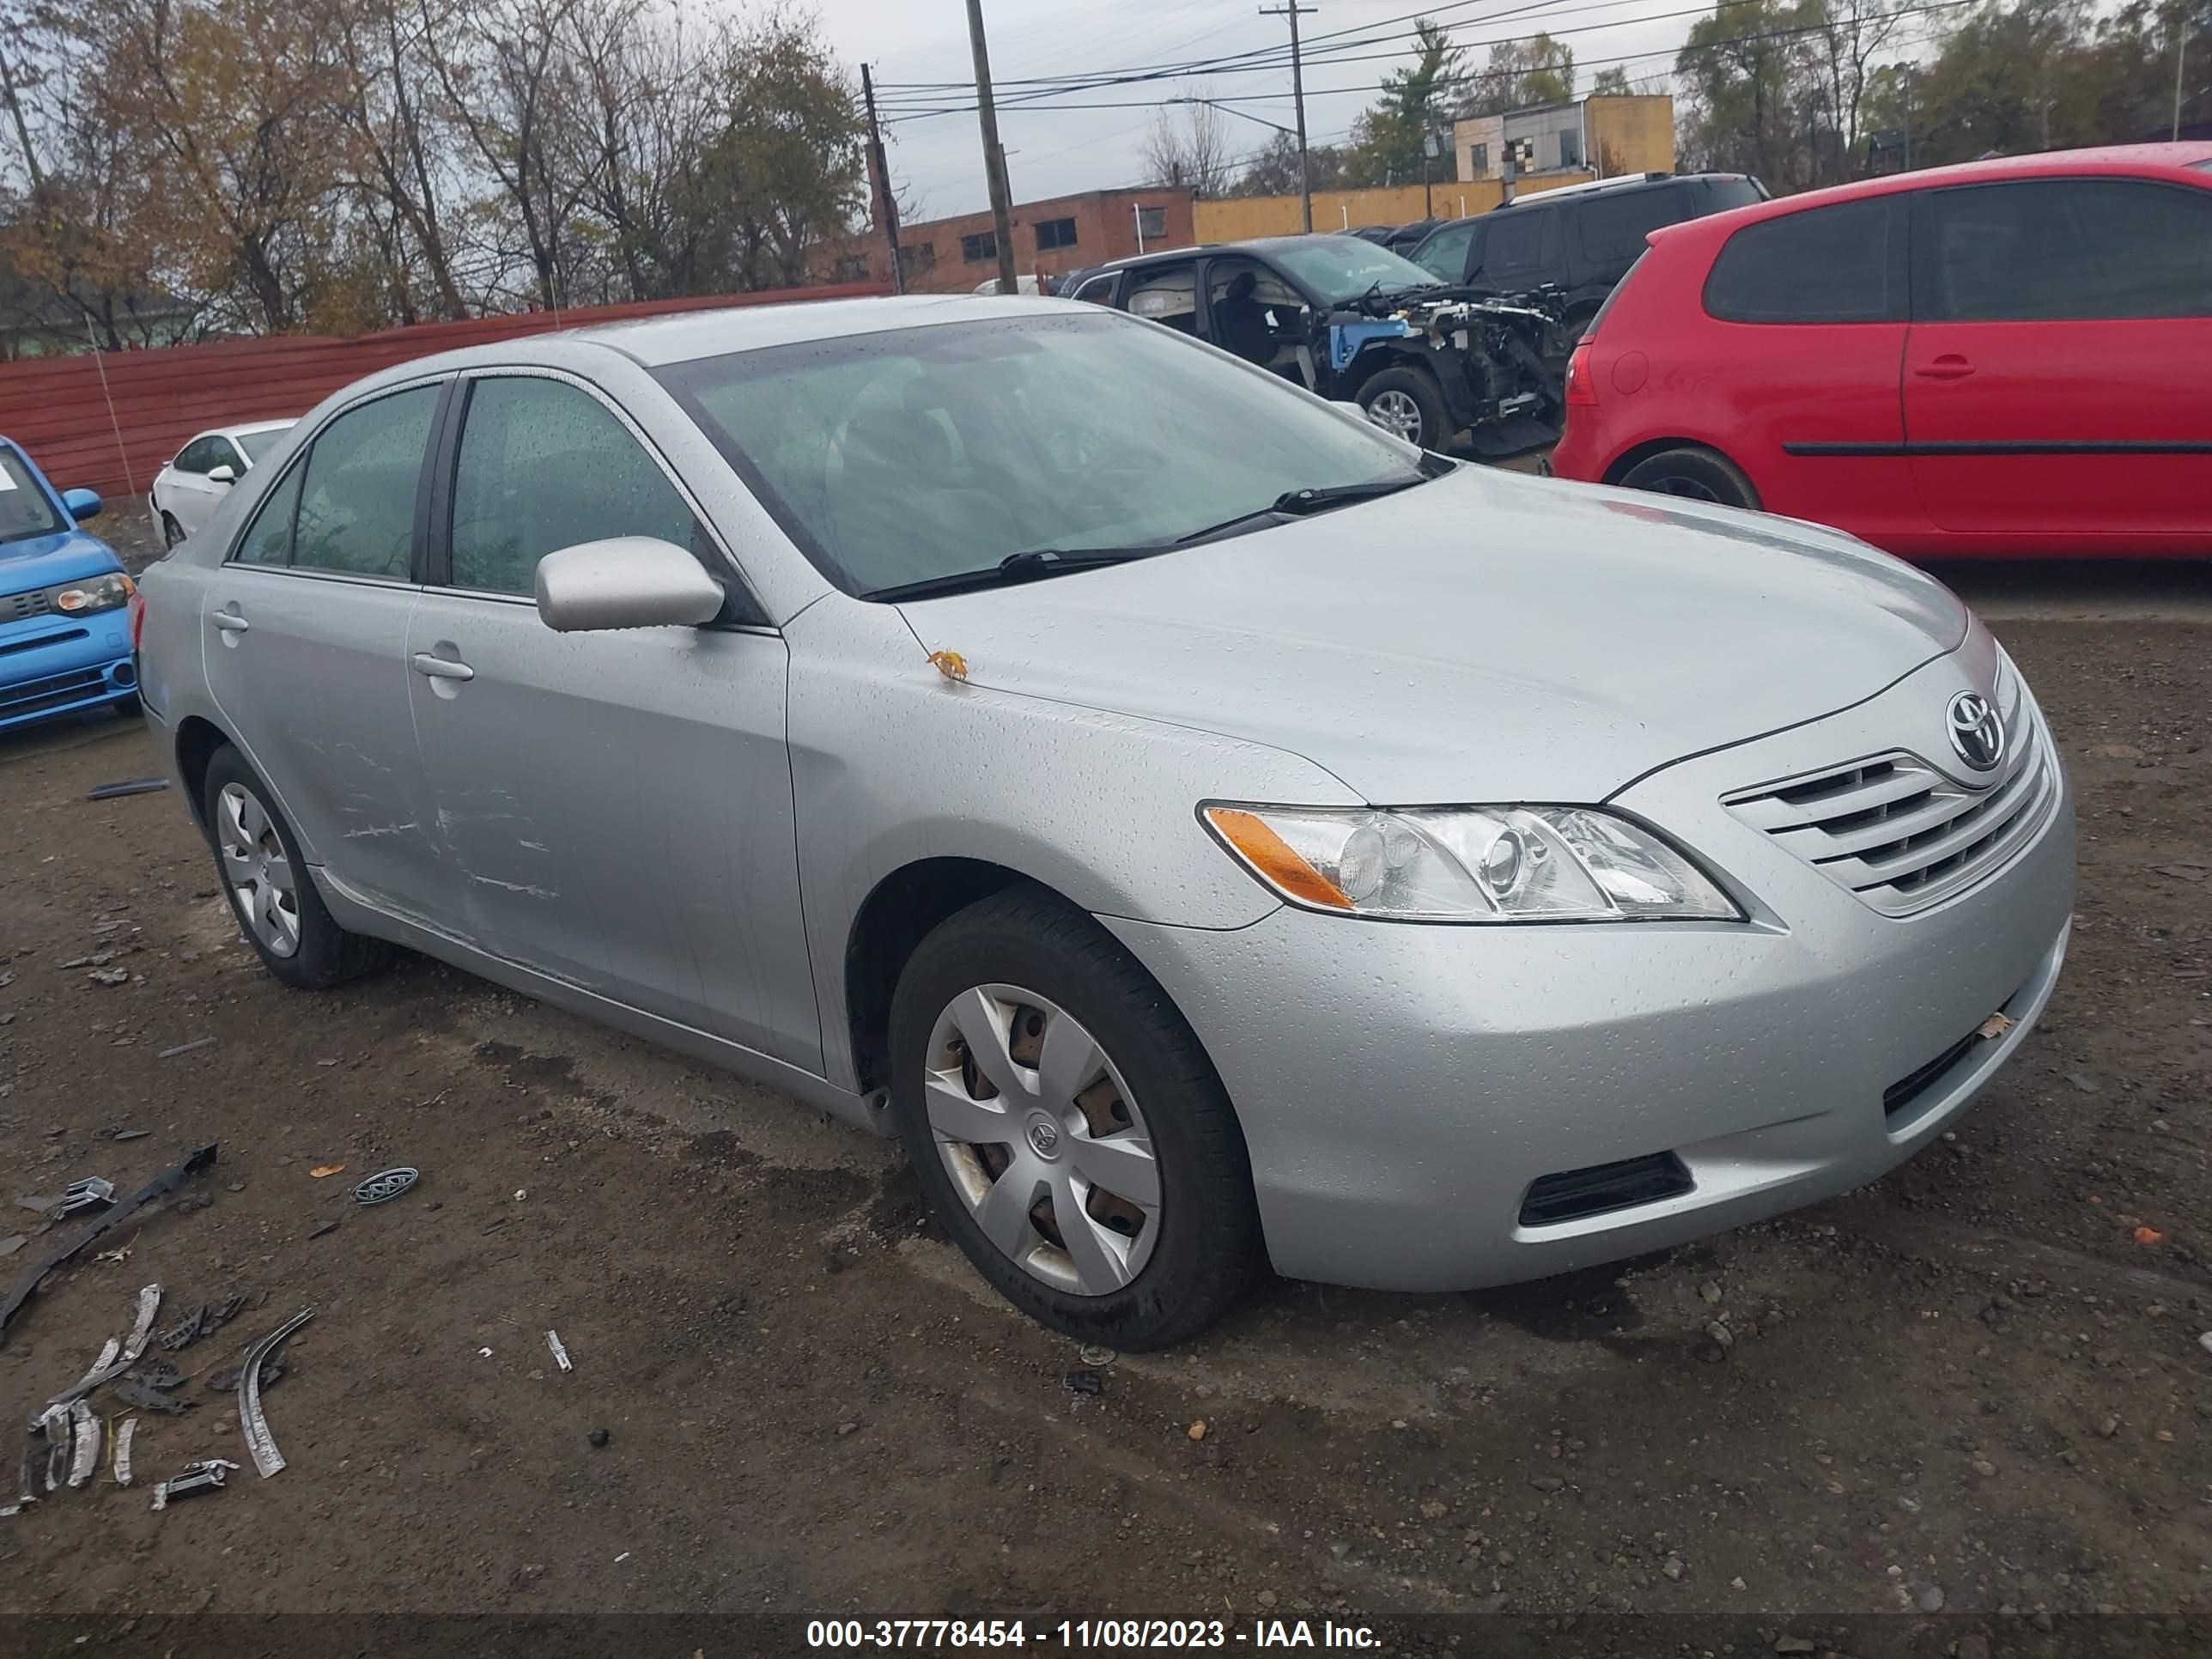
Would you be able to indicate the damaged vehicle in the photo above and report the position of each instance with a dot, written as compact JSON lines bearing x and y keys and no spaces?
{"x":1207,"y":831}
{"x":1358,"y":323}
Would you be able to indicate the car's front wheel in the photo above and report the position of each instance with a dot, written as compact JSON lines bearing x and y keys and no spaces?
{"x":172,"y":531}
{"x":270,"y":891}
{"x":1067,"y":1129}
{"x":1407,"y":403}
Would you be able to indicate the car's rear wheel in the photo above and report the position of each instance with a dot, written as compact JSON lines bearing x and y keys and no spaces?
{"x":1694,"y":474}
{"x":1407,"y":403}
{"x":1067,"y":1129}
{"x":269,"y":888}
{"x":172,"y":531}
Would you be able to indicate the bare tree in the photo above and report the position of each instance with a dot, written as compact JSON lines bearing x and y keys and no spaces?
{"x":1188,"y":144}
{"x":387,"y":103}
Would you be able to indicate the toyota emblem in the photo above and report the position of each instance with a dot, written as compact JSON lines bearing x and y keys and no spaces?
{"x":1977,"y":733}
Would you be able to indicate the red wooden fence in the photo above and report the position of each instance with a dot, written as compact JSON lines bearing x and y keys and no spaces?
{"x":57,"y":409}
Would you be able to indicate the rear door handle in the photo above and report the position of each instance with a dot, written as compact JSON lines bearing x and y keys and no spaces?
{"x":229,"y":622}
{"x":442,"y":668}
{"x":1948,"y":367}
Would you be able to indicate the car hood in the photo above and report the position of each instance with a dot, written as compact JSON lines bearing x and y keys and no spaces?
{"x":1481,"y":637}
{"x":62,"y":557}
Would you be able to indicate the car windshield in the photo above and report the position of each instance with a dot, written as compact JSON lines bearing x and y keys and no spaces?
{"x":25,"y":509}
{"x":256,"y":445}
{"x":1340,"y":268}
{"x":919,"y":454}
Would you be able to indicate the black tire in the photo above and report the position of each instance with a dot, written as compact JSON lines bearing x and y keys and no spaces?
{"x":1695,"y":474}
{"x":130,"y":708}
{"x":1209,"y":1246}
{"x":172,"y":531}
{"x":327,"y":954}
{"x":1427,"y":395}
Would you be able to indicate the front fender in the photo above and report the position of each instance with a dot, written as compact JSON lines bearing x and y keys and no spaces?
{"x":893,"y":763}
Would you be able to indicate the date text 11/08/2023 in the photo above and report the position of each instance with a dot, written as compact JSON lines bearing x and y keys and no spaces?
{"x":1085,"y":1634}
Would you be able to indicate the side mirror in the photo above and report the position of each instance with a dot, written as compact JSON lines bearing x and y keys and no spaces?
{"x":222,"y":474}
{"x":625,"y":582}
{"x":83,"y":504}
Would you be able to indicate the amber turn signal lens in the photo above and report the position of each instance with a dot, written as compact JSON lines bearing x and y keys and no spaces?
{"x":1270,"y":855}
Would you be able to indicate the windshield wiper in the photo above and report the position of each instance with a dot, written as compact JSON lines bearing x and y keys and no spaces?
{"x":1030,"y":565}
{"x":1300,"y":503}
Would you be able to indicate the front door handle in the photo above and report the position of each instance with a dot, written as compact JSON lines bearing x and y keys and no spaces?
{"x":442,"y":668}
{"x":229,"y":622}
{"x":1948,"y":367}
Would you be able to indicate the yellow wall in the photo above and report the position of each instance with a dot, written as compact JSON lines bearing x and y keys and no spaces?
{"x":1235,"y":218}
{"x":1639,"y":132}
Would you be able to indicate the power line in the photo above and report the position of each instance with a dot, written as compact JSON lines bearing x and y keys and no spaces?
{"x":1925,"y":7}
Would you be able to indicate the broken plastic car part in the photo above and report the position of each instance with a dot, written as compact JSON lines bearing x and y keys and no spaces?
{"x":198,"y":1161}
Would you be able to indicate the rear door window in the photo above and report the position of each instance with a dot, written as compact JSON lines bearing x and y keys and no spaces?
{"x":1833,"y":265}
{"x":1610,"y":229}
{"x":2051,"y":249}
{"x":356,"y":514}
{"x":1513,"y":245}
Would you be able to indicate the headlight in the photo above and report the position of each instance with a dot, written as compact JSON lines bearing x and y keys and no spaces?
{"x":1469,"y":864}
{"x":93,"y":593}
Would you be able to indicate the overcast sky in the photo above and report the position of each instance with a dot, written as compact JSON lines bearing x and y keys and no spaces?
{"x":1053,"y":151}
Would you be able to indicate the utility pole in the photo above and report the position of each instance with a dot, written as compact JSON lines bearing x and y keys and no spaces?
{"x":1908,"y":117}
{"x":994,"y":159}
{"x":2180,"y":57}
{"x":1293,"y":10}
{"x":879,"y":180}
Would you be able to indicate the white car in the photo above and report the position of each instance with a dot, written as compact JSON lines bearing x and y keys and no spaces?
{"x":187,"y":492}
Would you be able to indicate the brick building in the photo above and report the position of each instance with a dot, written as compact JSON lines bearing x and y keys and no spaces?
{"x":1068,"y":233}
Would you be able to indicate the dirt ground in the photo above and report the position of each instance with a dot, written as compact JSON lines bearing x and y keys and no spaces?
{"x":1964,"y":1407}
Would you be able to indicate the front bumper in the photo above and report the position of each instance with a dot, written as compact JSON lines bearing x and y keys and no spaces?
{"x":52,"y":665}
{"x":1403,"y":1088}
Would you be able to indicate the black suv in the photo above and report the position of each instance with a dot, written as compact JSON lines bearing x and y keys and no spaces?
{"x":1580,"y":239}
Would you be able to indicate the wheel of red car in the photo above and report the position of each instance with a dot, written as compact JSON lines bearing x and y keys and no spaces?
{"x":1697,"y":475}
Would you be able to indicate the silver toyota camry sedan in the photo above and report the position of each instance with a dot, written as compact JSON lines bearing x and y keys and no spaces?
{"x":1206,"y":830}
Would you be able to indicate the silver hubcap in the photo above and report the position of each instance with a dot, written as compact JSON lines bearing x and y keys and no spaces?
{"x":1396,"y":412}
{"x":259,"y":874}
{"x":1042,"y":1140}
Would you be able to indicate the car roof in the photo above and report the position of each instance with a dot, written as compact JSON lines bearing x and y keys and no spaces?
{"x":2136,"y":161}
{"x":246,"y":428}
{"x":716,"y":331}
{"x":1247,"y":244}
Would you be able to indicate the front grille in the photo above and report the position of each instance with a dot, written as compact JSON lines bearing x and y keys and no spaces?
{"x":1901,"y":834}
{"x":21,"y":607}
{"x":1573,"y":1194}
{"x":55,"y":692}
{"x":8,"y":646}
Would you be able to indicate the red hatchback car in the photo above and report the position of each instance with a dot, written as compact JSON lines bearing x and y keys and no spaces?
{"x":2008,"y":357}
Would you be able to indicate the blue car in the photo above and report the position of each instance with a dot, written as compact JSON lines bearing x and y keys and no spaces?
{"x":64,"y":617}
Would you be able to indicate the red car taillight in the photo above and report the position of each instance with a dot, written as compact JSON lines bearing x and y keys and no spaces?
{"x":137,"y":619}
{"x":1582,"y":390}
